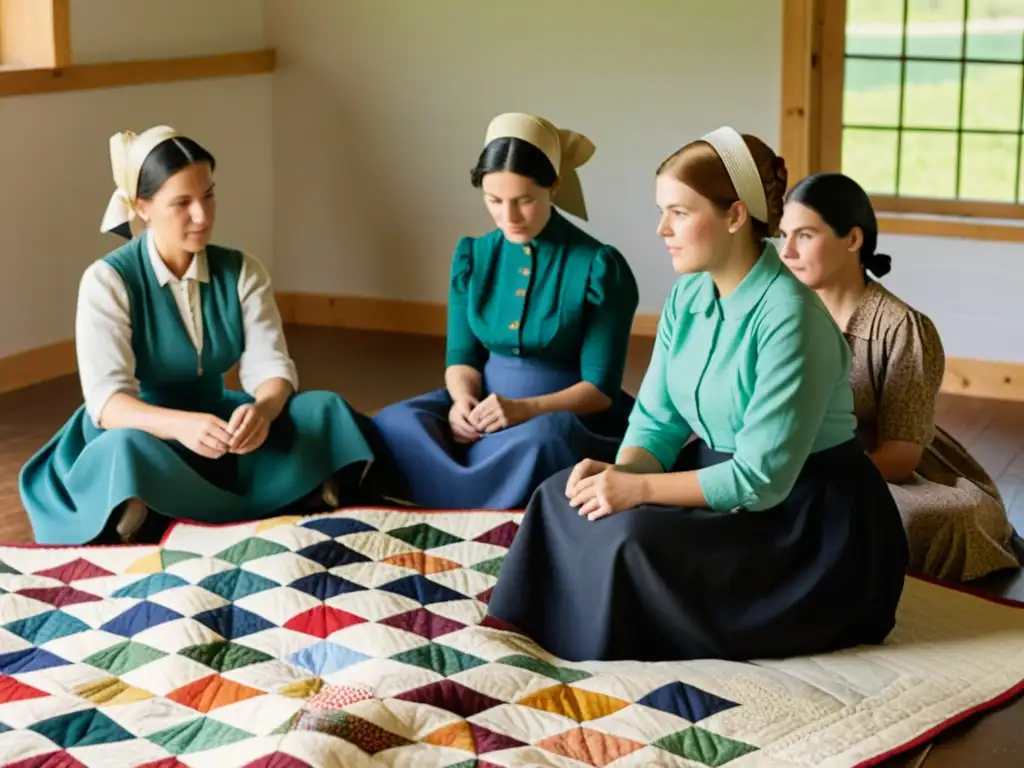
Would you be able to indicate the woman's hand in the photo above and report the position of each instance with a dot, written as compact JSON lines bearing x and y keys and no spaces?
{"x":495,"y":413}
{"x":249,"y":427}
{"x":203,"y":433}
{"x":598,"y":489}
{"x":458,"y":418}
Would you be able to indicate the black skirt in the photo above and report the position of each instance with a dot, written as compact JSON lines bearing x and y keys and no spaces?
{"x":823,"y":570}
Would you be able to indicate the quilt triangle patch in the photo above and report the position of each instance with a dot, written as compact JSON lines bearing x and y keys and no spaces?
{"x":85,"y":728}
{"x":75,"y":570}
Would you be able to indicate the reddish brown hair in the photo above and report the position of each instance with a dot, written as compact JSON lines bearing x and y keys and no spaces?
{"x":699,"y":166}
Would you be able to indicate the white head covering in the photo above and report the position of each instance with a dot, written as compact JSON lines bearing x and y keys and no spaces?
{"x":128,"y":152}
{"x":735,"y":153}
{"x":567,"y":151}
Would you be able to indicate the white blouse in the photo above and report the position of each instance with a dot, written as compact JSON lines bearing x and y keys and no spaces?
{"x":103,"y":333}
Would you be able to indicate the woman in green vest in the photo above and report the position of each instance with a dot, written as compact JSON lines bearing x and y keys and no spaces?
{"x":159,"y":323}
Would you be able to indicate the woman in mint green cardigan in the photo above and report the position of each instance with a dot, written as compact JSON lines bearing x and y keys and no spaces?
{"x":769,"y":534}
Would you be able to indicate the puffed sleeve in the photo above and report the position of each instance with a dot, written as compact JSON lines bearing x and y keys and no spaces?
{"x":103,"y":339}
{"x":654,"y":423}
{"x":463,"y":347}
{"x":915,"y":362}
{"x":801,"y":360}
{"x":265,"y":353}
{"x":612,"y":297}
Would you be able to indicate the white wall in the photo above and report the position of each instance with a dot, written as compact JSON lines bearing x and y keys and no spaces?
{"x":373,"y":120}
{"x":118,"y":30}
{"x":56,"y":170}
{"x":972,"y":289}
{"x":380,"y":109}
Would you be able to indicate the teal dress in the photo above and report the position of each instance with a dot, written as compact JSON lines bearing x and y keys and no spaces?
{"x":800,"y":549}
{"x":534,"y":319}
{"x":73,"y":484}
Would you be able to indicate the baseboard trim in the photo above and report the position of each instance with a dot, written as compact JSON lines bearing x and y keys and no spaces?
{"x":984,"y":378}
{"x":394,"y":315}
{"x":363,"y":313}
{"x":964,"y":376}
{"x":34,"y":366}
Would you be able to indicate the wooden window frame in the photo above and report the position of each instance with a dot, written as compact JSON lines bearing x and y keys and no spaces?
{"x":43,"y":62}
{"x":38,"y":31}
{"x":813,"y":66}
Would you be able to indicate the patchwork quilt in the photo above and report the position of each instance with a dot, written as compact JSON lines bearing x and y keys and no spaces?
{"x":359,"y":638}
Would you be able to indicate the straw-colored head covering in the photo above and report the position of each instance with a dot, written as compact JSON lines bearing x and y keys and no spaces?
{"x":128,"y":152}
{"x":566,"y":150}
{"x":742,"y":168}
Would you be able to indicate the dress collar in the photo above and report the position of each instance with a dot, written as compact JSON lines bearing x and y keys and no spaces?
{"x":198,"y":268}
{"x":748,"y":293}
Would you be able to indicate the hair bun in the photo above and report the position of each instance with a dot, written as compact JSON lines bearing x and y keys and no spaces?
{"x":775,"y":192}
{"x":878,"y":264}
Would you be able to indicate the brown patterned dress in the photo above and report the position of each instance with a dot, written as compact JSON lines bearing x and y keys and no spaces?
{"x":954,"y":516}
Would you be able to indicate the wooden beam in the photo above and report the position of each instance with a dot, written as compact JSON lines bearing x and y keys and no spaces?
{"x":79,"y":77}
{"x":948,"y":227}
{"x":801,"y":41}
{"x":978,"y":209}
{"x":27,"y":32}
{"x":61,"y":17}
{"x":833,"y":77}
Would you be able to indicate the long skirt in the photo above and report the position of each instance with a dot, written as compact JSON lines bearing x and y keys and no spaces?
{"x":71,"y":485}
{"x":501,"y":469}
{"x":954,"y":516}
{"x":823,"y":570}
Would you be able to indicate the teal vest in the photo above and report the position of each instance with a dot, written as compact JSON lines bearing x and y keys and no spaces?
{"x":170,"y":372}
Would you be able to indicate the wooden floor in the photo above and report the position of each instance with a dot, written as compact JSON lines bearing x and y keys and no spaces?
{"x":372,"y":370}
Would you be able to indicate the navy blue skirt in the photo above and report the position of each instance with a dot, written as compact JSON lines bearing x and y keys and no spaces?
{"x":500,"y":470}
{"x":823,"y":570}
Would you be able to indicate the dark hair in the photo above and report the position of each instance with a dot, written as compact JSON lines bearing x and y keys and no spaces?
{"x":516,"y":156}
{"x":699,"y":166}
{"x":843,"y":205}
{"x":167,"y":158}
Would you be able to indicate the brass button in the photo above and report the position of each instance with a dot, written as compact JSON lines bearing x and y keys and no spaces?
{"x":521,"y":292}
{"x":527,"y":250}
{"x":524,"y":271}
{"x":515,"y":351}
{"x":513,"y":325}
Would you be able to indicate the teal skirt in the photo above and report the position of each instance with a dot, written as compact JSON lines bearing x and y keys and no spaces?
{"x":73,"y":484}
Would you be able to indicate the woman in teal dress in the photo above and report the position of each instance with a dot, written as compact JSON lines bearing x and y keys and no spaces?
{"x":539,"y":319}
{"x":159,"y":323}
{"x":769,"y":534}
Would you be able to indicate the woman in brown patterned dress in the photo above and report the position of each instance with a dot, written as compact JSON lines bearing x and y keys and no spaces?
{"x":953,"y":513}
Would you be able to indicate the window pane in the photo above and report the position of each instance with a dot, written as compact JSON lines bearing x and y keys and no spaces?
{"x":869,"y":156}
{"x":871,"y":93}
{"x":992,"y":96}
{"x":988,"y":167}
{"x":933,"y":95}
{"x":995,"y":31}
{"x":928,"y":164}
{"x":935,"y":27}
{"x":874,"y":27}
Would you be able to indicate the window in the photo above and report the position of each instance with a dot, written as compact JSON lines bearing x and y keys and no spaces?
{"x":34,"y":34}
{"x":931,"y":113}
